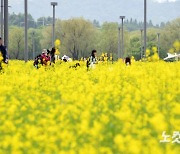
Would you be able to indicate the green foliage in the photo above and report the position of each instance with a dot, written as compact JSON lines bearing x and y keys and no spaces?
{"x":135,"y":44}
{"x":79,"y":36}
{"x":16,"y":43}
{"x":108,"y":38}
{"x":35,"y":36}
{"x":18,"y":20}
{"x":133,"y":25}
{"x":170,"y":34}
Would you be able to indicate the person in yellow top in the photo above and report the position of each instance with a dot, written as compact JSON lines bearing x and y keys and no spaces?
{"x":57,"y":53}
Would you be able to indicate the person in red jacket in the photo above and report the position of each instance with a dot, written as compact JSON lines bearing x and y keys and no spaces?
{"x":45,"y":57}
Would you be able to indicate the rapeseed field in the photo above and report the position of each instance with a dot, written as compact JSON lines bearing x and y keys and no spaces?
{"x":111,"y":109}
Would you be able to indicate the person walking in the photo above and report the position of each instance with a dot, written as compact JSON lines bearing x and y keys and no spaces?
{"x":92,"y":61}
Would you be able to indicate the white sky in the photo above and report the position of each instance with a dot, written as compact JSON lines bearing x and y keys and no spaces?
{"x":99,"y":9}
{"x":162,"y":1}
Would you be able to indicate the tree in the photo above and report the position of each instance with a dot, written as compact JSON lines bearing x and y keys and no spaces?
{"x":108,"y":38}
{"x":78,"y":37}
{"x":44,"y":21}
{"x":46,"y":40}
{"x":162,"y":25}
{"x":16,"y":43}
{"x":150,"y":24}
{"x":96,"y":23}
{"x":34,"y":35}
{"x":135,"y":47}
{"x":46,"y":34}
{"x":18,"y":20}
{"x":169,"y":35}
{"x":135,"y":42}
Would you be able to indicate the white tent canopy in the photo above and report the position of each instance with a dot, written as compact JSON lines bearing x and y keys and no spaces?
{"x":172,"y":56}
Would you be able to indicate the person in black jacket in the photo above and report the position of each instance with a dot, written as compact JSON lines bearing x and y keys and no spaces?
{"x":52,"y":54}
{"x":3,"y":51}
{"x":128,"y":61}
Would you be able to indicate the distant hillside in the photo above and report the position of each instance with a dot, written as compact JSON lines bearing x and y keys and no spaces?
{"x":130,"y":24}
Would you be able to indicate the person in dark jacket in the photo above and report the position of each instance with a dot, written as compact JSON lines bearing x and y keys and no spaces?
{"x":3,"y":51}
{"x":128,"y":61}
{"x":52,"y":54}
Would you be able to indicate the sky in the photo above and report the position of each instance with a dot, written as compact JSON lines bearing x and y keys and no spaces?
{"x":102,"y":10}
{"x":163,"y":1}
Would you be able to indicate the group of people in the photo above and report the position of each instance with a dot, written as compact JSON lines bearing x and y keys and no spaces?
{"x":47,"y":56}
{"x":93,"y":60}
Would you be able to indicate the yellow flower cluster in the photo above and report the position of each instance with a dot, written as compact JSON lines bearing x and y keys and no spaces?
{"x":1,"y":57}
{"x":111,"y":109}
{"x":154,"y":57}
{"x":175,"y":48}
{"x":104,"y":57}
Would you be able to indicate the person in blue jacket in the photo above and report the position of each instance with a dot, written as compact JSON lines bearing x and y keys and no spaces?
{"x":3,"y":51}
